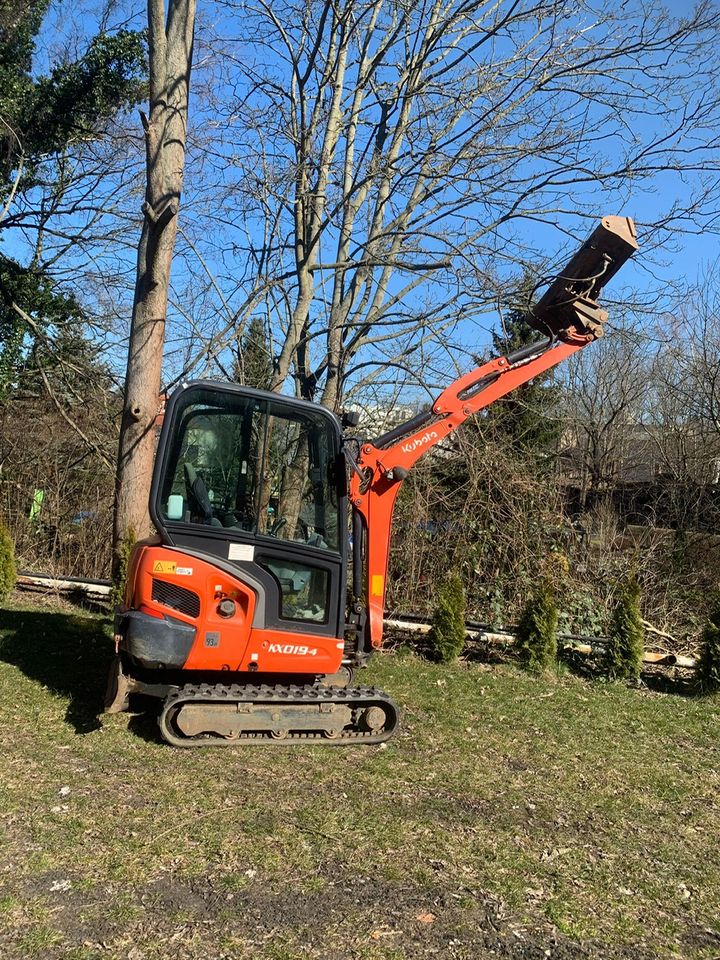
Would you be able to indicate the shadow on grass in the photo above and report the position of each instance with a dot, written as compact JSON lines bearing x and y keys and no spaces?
{"x":66,"y":652}
{"x":143,"y":722}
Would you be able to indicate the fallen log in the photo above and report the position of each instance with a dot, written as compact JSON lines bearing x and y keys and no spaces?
{"x":44,"y":581}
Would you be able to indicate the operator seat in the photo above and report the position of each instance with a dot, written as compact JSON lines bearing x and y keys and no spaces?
{"x":198,"y":497}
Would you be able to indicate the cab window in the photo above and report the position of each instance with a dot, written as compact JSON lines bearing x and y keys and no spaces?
{"x":253,"y":465}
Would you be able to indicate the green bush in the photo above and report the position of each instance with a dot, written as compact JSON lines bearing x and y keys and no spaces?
{"x":537,"y":631}
{"x":709,"y":665}
{"x":623,"y":654}
{"x":8,"y":574}
{"x":447,"y":635}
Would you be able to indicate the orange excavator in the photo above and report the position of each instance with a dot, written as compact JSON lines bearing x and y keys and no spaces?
{"x":264,"y":589}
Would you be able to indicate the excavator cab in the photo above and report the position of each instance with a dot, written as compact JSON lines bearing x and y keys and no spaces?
{"x":255,"y":483}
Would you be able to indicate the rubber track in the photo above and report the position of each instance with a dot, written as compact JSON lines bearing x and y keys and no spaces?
{"x":358,"y":698}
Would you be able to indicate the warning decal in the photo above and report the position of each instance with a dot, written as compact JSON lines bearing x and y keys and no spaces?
{"x":377,"y":583}
{"x":164,"y":566}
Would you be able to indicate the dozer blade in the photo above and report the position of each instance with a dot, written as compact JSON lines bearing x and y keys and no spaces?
{"x":568,"y":310}
{"x":118,"y":688}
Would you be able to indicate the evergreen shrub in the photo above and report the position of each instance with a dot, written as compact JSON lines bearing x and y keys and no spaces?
{"x":537,"y":631}
{"x":447,"y":634}
{"x":8,"y":574}
{"x":709,"y":665}
{"x":623,"y":654}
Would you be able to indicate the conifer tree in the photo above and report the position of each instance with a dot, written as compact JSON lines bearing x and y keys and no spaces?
{"x":624,"y":650}
{"x":253,"y":365}
{"x":526,"y":415}
{"x":447,"y":635}
{"x":41,"y":117}
{"x":709,"y":665}
{"x":537,"y":631}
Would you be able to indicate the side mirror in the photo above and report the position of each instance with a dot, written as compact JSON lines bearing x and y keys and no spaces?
{"x":350,"y":419}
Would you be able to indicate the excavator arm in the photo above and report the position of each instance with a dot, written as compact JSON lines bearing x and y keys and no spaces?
{"x":571,"y":317}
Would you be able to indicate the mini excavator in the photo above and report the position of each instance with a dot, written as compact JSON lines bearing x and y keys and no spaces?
{"x":264,"y":589}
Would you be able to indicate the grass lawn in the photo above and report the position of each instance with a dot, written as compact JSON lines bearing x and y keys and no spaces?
{"x":511,"y":817}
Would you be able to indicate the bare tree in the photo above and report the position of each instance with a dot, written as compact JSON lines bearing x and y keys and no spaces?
{"x":693,"y":353}
{"x":683,"y":409}
{"x":170,"y":50}
{"x":605,"y":395}
{"x":389,"y":166}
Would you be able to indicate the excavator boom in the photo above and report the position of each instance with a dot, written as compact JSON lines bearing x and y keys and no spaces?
{"x":568,"y":312}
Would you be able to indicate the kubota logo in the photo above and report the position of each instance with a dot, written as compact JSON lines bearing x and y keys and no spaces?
{"x":419,"y":442}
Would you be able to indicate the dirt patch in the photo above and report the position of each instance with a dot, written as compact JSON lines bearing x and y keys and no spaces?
{"x":340,"y":918}
{"x":696,"y":938}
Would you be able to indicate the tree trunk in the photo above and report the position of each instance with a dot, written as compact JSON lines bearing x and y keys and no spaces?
{"x":170,"y":51}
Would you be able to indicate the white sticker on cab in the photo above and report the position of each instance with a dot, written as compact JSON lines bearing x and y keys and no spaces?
{"x":184,"y":571}
{"x":241,"y":551}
